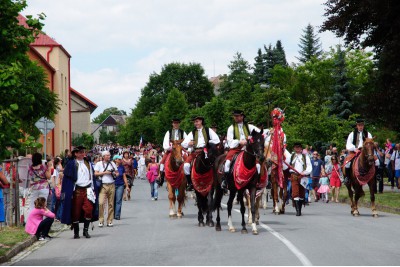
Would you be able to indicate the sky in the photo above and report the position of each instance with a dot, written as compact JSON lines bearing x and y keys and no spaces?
{"x":116,"y":44}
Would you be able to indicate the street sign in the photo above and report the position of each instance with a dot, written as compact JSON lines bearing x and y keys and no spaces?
{"x":45,"y":125}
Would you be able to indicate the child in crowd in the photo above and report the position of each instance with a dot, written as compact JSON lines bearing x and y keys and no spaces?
{"x":324,"y":186}
{"x":35,"y":224}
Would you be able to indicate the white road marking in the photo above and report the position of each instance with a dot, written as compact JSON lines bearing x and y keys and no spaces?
{"x":302,"y":258}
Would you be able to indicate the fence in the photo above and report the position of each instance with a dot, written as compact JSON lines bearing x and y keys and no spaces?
{"x":16,"y":172}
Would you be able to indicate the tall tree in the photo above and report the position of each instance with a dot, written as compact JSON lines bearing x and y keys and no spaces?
{"x":340,"y":101}
{"x":259,"y":68}
{"x":373,"y":24}
{"x":310,"y":45}
{"x":279,"y":54}
{"x":107,"y":112}
{"x":26,"y":97}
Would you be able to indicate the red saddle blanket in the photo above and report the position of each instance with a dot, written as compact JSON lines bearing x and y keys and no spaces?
{"x":242,"y":175}
{"x":362,"y":176}
{"x":202,"y":183}
{"x":174,"y":178}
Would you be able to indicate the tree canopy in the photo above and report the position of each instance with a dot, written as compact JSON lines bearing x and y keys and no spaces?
{"x":107,"y":112}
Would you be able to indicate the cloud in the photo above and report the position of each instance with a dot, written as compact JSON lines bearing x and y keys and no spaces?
{"x":117,"y":44}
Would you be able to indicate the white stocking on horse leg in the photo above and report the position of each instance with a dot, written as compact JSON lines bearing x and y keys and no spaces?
{"x":230,"y":225}
{"x":254,"y":229}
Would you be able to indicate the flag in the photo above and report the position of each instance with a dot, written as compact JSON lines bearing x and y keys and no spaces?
{"x":141,"y":141}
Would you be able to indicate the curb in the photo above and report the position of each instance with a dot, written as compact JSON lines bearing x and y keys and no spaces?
{"x":17,"y":249}
{"x":27,"y":243}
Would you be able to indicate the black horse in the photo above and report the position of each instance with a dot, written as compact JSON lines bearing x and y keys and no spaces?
{"x":202,"y":179}
{"x":254,"y":151}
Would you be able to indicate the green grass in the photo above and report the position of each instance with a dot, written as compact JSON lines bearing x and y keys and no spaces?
{"x":388,"y":201}
{"x":9,"y":236}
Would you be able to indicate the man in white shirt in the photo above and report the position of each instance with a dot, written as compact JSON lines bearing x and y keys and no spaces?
{"x":236,"y":138}
{"x":142,"y":166}
{"x":107,"y":171}
{"x":301,"y":167}
{"x":197,"y":139}
{"x":171,"y":135}
{"x":354,"y":143}
{"x":395,"y":159}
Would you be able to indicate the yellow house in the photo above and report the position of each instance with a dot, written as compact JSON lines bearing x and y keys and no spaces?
{"x":56,"y":62}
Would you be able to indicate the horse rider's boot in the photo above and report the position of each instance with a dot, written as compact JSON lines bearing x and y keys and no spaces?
{"x":76,"y":230}
{"x":189,"y":183}
{"x":86,"y":228}
{"x":347,"y":178}
{"x":223,"y":182}
{"x":162,"y":176}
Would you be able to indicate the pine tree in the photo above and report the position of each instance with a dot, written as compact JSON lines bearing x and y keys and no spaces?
{"x":269,"y":62}
{"x":341,"y":103}
{"x":279,"y":54}
{"x":310,"y":45}
{"x":259,"y":68}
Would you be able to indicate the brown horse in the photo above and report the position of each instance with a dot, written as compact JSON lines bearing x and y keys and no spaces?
{"x":176,"y":181}
{"x":260,"y":187}
{"x":362,"y":172}
{"x":278,"y":190}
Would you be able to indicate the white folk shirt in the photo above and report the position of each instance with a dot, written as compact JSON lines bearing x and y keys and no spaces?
{"x":349,"y":143}
{"x":83,"y":174}
{"x":396,"y":159}
{"x":101,"y":167}
{"x":233,"y":143}
{"x":214,"y":139}
{"x":298,"y":163}
{"x":268,"y":135}
{"x":167,"y":143}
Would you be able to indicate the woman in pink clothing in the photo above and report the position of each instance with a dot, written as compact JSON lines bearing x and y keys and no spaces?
{"x":153,"y":172}
{"x":35,"y":224}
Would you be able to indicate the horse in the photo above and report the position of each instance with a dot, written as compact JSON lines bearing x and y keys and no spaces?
{"x":278,"y":179}
{"x":175,"y":177}
{"x":202,"y":178}
{"x":362,"y":172}
{"x":260,"y":190}
{"x":244,"y":175}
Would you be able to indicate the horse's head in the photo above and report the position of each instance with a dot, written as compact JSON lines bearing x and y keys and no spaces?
{"x":255,"y":144}
{"x":368,"y":150}
{"x":177,"y":151}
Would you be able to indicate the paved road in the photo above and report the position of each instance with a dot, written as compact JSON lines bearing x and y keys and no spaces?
{"x":326,"y":235}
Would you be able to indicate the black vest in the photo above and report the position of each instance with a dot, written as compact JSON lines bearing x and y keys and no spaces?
{"x":355,"y":135}
{"x":180,"y":134}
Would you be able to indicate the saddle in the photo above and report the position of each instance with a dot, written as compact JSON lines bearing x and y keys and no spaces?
{"x":221,"y":168}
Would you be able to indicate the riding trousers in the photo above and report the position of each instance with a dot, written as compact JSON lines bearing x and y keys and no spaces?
{"x":298,"y":191}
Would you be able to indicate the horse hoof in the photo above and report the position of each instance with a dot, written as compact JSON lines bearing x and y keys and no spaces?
{"x":172,"y":216}
{"x":201,"y":224}
{"x":210,"y":224}
{"x":180,"y":216}
{"x":255,"y":232}
{"x":375,"y":215}
{"x":244,"y":231}
{"x":232,"y":230}
{"x":218,"y":228}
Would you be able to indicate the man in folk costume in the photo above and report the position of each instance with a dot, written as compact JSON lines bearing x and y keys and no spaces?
{"x":197,"y":139}
{"x":300,"y":166}
{"x":171,"y":135}
{"x":79,"y":193}
{"x":354,"y":143}
{"x":236,"y":138}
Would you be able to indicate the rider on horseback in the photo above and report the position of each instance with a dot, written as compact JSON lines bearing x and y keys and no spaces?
{"x":236,"y":137}
{"x":171,"y":135}
{"x":197,"y":139}
{"x":354,"y":143}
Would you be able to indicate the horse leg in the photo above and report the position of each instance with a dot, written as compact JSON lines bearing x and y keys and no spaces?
{"x":242,"y":211}
{"x":372,"y":197}
{"x":350,"y":191}
{"x":253,"y":191}
{"x":265,"y":200}
{"x":210,"y":195}
{"x":285,"y":193}
{"x":218,"y":219}
{"x":232,"y":194}
{"x":181,"y":200}
{"x":200,"y":205}
{"x":250,"y":217}
{"x":276,"y":198}
{"x":358,"y":194}
{"x":171,"y":197}
{"x":258,"y":203}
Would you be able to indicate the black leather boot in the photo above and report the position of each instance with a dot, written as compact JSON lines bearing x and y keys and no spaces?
{"x":86,"y":229}
{"x":189,"y":183}
{"x":347,"y":177}
{"x":162,"y":176}
{"x":76,"y":230}
{"x":296,"y":205}
{"x":224,"y":184}
{"x":300,"y":206}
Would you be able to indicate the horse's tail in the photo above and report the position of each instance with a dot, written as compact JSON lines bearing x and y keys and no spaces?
{"x":216,"y":203}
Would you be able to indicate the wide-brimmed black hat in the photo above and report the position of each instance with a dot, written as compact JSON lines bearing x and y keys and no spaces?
{"x":78,"y":148}
{"x":359,"y":120}
{"x":297,"y":144}
{"x":198,"y":118}
{"x":238,"y":112}
{"x":214,"y":125}
{"x":176,"y":120}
